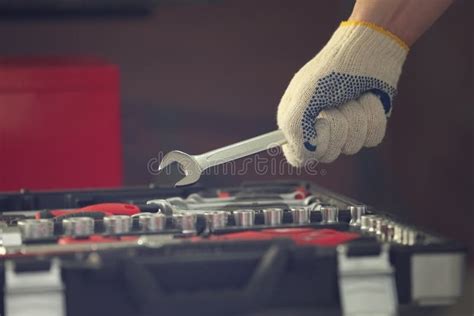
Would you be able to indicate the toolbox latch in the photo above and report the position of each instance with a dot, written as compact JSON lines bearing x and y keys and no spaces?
{"x":366,"y":284}
{"x":39,"y":293}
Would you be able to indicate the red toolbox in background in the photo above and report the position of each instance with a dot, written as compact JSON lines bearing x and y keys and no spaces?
{"x":59,"y":123}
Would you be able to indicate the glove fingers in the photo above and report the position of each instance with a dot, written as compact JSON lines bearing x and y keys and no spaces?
{"x":285,"y":102}
{"x":376,"y":119}
{"x":290,"y":155}
{"x":356,"y":118}
{"x":345,"y":130}
{"x":335,"y":135}
{"x":297,"y":155}
{"x":296,"y":91}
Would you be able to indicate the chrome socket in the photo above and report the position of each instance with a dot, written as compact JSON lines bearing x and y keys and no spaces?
{"x":151,"y":222}
{"x":273,"y":216}
{"x":329,"y":214}
{"x":244,"y":218}
{"x":384,"y":229}
{"x":300,"y":216}
{"x":365,"y":222}
{"x":372,"y":224}
{"x":216,"y":220}
{"x":117,"y":224}
{"x":409,"y":236}
{"x":78,"y":226}
{"x":390,"y":231}
{"x":356,"y":213}
{"x":379,"y":226}
{"x":186,"y":222}
{"x":33,"y":229}
{"x":398,"y":233}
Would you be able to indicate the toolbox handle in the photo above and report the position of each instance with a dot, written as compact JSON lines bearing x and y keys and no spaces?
{"x":150,"y":298}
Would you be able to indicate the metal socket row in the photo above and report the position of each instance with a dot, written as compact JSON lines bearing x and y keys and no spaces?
{"x":387,"y":230}
{"x":186,"y":221}
{"x":246,"y":218}
{"x":34,"y":229}
{"x":274,"y":216}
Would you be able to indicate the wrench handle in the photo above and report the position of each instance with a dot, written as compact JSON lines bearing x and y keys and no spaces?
{"x":242,"y":149}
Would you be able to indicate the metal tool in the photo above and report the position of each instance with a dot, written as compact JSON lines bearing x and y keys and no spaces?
{"x":213,"y":202}
{"x":244,"y":218}
{"x":329,"y":214}
{"x":168,"y":206}
{"x":300,"y":215}
{"x":389,"y":232}
{"x":409,"y":236}
{"x":379,"y":226}
{"x":273,"y":216}
{"x":356,"y":212}
{"x":216,"y":219}
{"x":78,"y":226}
{"x":398,"y":233}
{"x":365,"y":222}
{"x":36,"y":228}
{"x":293,"y":196}
{"x":151,"y":222}
{"x":194,"y":165}
{"x":117,"y":224}
{"x":186,"y":222}
{"x":373,"y":225}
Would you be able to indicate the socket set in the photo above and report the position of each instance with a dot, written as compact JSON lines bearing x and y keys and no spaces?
{"x":254,"y":247}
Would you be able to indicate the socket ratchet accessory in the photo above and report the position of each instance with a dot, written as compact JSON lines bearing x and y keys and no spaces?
{"x":186,"y":222}
{"x":300,"y":215}
{"x":151,"y":222}
{"x":372,"y":228}
{"x":389,"y":231}
{"x":365,"y":222}
{"x":356,"y":212}
{"x":78,"y":226}
{"x":194,"y":165}
{"x":216,"y":220}
{"x":117,"y":224}
{"x":273,"y":216}
{"x":34,"y":229}
{"x":329,"y":214}
{"x":244,"y":218}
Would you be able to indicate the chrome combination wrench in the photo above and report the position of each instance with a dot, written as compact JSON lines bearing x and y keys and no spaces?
{"x":194,"y":165}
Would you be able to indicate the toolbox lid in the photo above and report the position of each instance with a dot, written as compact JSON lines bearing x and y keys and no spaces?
{"x":56,"y":73}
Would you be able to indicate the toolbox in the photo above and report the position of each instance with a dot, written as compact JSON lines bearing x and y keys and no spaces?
{"x":261,"y":247}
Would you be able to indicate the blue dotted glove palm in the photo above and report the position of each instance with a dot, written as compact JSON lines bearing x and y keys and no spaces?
{"x":340,"y":100}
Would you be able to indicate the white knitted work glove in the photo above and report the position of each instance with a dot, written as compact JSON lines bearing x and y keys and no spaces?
{"x":338,"y":102}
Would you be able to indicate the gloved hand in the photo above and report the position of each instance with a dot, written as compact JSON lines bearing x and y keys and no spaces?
{"x":340,"y":100}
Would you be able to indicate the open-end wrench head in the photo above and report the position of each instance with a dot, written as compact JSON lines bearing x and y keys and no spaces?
{"x":187,"y":163}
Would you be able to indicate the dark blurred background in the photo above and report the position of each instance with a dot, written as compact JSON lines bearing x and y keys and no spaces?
{"x":197,"y":76}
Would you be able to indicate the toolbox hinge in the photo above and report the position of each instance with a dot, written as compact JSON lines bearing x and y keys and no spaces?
{"x":39,"y":293}
{"x":366,"y":284}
